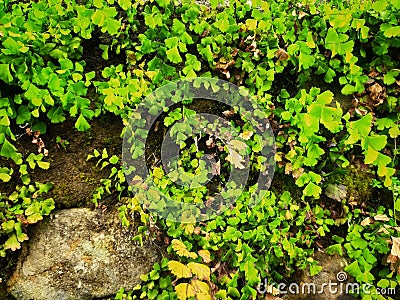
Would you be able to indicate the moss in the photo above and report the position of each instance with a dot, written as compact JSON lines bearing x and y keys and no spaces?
{"x":109,"y":141}
{"x":61,"y":193}
{"x":88,"y":179}
{"x":358,"y":183}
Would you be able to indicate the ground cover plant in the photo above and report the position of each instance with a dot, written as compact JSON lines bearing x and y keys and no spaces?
{"x":325,"y":73}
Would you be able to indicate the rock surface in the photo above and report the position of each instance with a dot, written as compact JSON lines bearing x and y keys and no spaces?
{"x":331,"y":267}
{"x":79,"y":254}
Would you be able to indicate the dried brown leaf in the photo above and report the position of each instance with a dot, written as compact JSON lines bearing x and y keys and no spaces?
{"x":281,"y":54}
{"x":216,"y":168}
{"x":395,"y":247}
{"x":366,"y":221}
{"x":228,"y":113}
{"x":381,"y":217}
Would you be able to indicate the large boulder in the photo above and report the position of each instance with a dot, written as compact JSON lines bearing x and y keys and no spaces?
{"x":80,"y":254}
{"x":330,"y":283}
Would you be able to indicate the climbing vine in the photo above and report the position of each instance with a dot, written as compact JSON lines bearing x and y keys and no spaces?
{"x":276,"y":50}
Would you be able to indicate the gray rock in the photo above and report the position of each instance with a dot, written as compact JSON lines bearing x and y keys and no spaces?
{"x":80,"y":254}
{"x":331,"y":267}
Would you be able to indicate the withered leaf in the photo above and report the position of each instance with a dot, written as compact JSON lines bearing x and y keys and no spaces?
{"x":210,"y":143}
{"x":236,"y":159}
{"x":216,"y":168}
{"x":366,"y":221}
{"x":281,"y":54}
{"x":228,"y":113}
{"x":381,"y":217}
{"x":36,"y":133}
{"x":395,"y":247}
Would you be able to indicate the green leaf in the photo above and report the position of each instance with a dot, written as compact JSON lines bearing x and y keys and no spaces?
{"x":125,"y":4}
{"x":5,"y":177}
{"x":178,"y":27}
{"x":312,"y":190}
{"x":359,"y":243}
{"x":43,"y":164}
{"x":359,"y":129}
{"x":314,"y":270}
{"x":172,"y":42}
{"x":383,"y":123}
{"x":21,"y":236}
{"x":393,"y":31}
{"x":114,"y":159}
{"x":306,"y":61}
{"x":353,"y":269}
{"x":330,"y":75}
{"x":390,"y":77}
{"x":366,"y":277}
{"x":348,"y":89}
{"x":222,"y":25}
{"x":8,"y":150}
{"x":325,"y":97}
{"x":251,"y":272}
{"x":335,"y":249}
{"x":207,"y":53}
{"x":113,"y":26}
{"x":379,"y":5}
{"x":337,"y":42}
{"x":394,"y":132}
{"x":5,"y":74}
{"x":8,"y":226}
{"x":56,"y":115}
{"x":331,"y":118}
{"x":370,"y":156}
{"x":173,"y":55}
{"x":12,"y":243}
{"x":383,"y":283}
{"x":10,"y":44}
{"x":34,"y":94}
{"x":24,"y":115}
{"x":81,"y":124}
{"x":377,"y":142}
{"x":66,"y":64}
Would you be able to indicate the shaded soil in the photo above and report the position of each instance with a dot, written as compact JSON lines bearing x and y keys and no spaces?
{"x":74,"y":177}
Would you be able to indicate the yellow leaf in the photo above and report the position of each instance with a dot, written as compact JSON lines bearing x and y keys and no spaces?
{"x":158,"y":173}
{"x":201,"y":289}
{"x":188,"y":227}
{"x":179,"y":269}
{"x":181,"y":249}
{"x":203,"y":297}
{"x":205,"y":255}
{"x":151,"y":74}
{"x":200,"y":270}
{"x":184,"y":291}
{"x":246,"y":135}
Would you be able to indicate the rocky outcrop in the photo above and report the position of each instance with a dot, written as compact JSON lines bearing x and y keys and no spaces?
{"x":80,"y":254}
{"x":329,"y":284}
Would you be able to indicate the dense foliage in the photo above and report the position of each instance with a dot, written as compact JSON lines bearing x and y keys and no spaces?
{"x":283,"y":53}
